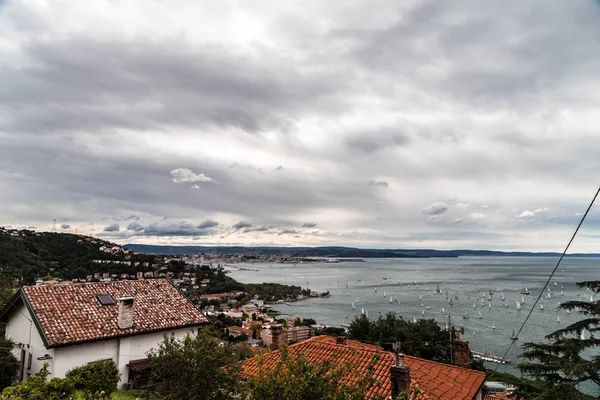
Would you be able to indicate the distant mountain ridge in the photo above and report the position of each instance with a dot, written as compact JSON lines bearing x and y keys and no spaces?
{"x":340,"y":251}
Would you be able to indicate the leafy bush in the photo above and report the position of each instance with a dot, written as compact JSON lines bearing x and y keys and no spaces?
{"x":9,"y":365}
{"x":37,"y":387}
{"x":97,"y":377}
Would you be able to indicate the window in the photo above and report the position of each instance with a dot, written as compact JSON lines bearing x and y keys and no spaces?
{"x":105,"y":299}
{"x":29,"y":359}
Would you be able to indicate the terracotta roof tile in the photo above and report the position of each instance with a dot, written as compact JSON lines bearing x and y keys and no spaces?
{"x":435,"y":381}
{"x":71,"y":313}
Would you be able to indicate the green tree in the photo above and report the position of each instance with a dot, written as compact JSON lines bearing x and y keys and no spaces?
{"x":295,"y":378}
{"x":192,"y":368}
{"x":425,"y":338}
{"x":567,"y":359}
{"x":9,"y":365}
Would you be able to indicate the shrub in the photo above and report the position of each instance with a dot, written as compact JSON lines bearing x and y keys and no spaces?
{"x":97,"y":377}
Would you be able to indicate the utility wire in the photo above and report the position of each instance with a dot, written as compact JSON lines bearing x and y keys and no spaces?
{"x":551,"y":275}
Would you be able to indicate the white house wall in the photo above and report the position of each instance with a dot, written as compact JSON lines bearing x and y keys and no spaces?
{"x":22,"y":331}
{"x":121,"y":351}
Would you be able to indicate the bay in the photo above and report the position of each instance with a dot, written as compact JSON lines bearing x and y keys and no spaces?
{"x":468,"y":278}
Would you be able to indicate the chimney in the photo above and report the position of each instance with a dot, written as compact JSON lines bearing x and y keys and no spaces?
{"x":340,"y":340}
{"x":400,"y":378}
{"x":461,"y":353}
{"x":125,"y":318}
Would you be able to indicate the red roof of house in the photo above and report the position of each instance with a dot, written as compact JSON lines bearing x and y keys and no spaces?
{"x":434,"y":380}
{"x":68,"y":314}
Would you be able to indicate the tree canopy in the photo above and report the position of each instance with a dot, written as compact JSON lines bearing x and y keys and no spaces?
{"x":191,"y":368}
{"x":570,"y":356}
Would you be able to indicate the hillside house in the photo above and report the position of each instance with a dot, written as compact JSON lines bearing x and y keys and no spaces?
{"x":72,"y":325}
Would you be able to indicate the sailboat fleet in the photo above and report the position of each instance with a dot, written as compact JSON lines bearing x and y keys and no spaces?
{"x":482,"y":300}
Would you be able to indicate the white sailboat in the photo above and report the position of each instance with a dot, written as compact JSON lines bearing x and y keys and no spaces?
{"x":353,"y":306}
{"x":422,"y":312}
{"x":558,"y":319}
{"x":415,"y":320}
{"x":375,"y":290}
{"x":548,"y":296}
{"x":568,"y":311}
{"x":384,"y":293}
{"x":474,"y":305}
{"x":518,"y":305}
{"x":489,"y":305}
{"x":480,"y":316}
{"x":362,"y":310}
{"x":522,"y":300}
{"x":541,"y":306}
{"x":514,"y":336}
{"x":443,"y":311}
{"x":582,"y":337}
{"x":391,"y":299}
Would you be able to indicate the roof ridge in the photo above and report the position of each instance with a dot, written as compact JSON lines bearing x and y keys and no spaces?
{"x":445,"y":365}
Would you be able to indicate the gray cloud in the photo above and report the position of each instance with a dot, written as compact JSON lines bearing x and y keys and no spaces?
{"x":64,"y":226}
{"x":207,"y":224}
{"x":456,"y":102}
{"x":242,"y":225}
{"x":379,"y":183}
{"x":309,"y":225}
{"x":111,"y":228}
{"x":436,"y":208}
{"x":136,"y":227}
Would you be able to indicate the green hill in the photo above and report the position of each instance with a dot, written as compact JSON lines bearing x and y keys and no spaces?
{"x":27,"y":255}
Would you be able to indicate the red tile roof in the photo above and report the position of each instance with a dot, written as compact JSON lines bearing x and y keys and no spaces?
{"x":68,"y":314}
{"x":434,"y":380}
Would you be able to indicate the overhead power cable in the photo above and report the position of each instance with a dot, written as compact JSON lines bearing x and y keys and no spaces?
{"x":551,"y":275}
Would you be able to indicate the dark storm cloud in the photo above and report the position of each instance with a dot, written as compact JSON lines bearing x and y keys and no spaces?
{"x":242,"y":225}
{"x":65,"y":226}
{"x":111,"y":228}
{"x":309,"y":225}
{"x":136,"y":227}
{"x":207,"y":224}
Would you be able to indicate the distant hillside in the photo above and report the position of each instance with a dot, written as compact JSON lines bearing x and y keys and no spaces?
{"x":28,"y":254}
{"x":339,"y":252}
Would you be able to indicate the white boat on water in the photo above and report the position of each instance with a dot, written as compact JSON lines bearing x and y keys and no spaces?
{"x":526,"y":291}
{"x":541,"y":306}
{"x":582,"y":337}
{"x":443,"y":311}
{"x":518,"y":305}
{"x":391,"y":299}
{"x":384,"y":294}
{"x":558,"y":319}
{"x":480,"y":316}
{"x":375,"y":290}
{"x":353,"y":306}
{"x":514,"y":336}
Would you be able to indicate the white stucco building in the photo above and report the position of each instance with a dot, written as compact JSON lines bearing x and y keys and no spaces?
{"x":72,"y":325}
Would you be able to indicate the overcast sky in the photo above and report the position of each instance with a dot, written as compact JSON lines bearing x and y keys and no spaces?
{"x":412,"y":124}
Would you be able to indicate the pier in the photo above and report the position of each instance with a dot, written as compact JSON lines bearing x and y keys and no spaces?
{"x":490,"y":358}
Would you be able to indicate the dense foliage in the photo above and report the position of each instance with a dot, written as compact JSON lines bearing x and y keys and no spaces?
{"x":294,"y":378}
{"x":96,"y":377}
{"x":423,"y":339}
{"x":191,"y":368}
{"x":560,"y":365}
{"x":9,"y":365}
{"x":62,"y":255}
{"x":89,"y":382}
